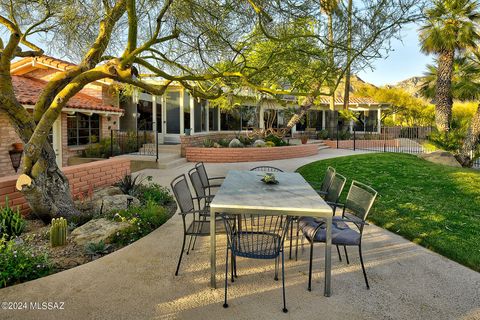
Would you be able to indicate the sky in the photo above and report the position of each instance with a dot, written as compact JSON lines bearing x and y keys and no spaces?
{"x":405,"y":62}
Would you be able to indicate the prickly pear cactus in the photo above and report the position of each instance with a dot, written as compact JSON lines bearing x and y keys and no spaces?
{"x":58,"y":232}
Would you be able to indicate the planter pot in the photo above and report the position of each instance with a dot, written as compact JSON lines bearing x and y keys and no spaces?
{"x":304,"y":140}
{"x":18,"y":146}
{"x":188,"y":132}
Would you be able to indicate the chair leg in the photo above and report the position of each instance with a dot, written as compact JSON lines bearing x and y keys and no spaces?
{"x":339,"y":255}
{"x":285,"y":310}
{"x":346,"y":253}
{"x":310,"y":268}
{"x":181,"y":254}
{"x":189,"y":243}
{"x":232,"y":262}
{"x":363,"y":267}
{"x":235,"y":266}
{"x":276,"y":269}
{"x":195,"y":240}
{"x":225,"y":304}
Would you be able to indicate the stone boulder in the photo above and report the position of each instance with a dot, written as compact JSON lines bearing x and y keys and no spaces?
{"x":259,"y":143}
{"x":235,"y":143}
{"x":108,"y":191}
{"x":97,"y":230}
{"x":441,"y":157}
{"x":114,"y":203}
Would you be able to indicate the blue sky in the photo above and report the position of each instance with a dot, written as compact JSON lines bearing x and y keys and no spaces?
{"x":405,"y":62}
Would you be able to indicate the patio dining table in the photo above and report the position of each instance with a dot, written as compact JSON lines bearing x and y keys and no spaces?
{"x":243,"y":192}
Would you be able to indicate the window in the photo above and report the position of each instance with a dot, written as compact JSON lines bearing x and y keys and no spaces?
{"x":83,"y":129}
{"x":213,"y":121}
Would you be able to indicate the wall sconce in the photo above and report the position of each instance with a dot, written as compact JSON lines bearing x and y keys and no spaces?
{"x":16,"y":158}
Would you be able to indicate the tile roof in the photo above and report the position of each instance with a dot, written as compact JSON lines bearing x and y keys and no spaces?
{"x":28,"y":90}
{"x":54,"y":62}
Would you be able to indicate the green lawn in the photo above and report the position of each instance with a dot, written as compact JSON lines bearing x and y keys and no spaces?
{"x":435,"y":206}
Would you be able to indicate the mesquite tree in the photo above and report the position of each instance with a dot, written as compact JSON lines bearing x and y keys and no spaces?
{"x":205,"y":45}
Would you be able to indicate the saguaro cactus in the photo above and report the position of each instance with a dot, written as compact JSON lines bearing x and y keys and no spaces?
{"x":58,"y":232}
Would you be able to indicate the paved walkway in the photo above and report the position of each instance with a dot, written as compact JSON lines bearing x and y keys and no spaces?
{"x":137,"y":282}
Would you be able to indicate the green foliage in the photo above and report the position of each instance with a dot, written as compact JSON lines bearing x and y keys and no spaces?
{"x":449,"y":141}
{"x":123,"y":142}
{"x":143,"y":220}
{"x":153,"y":192}
{"x":129,"y":184}
{"x":279,"y":142}
{"x":97,"y":248}
{"x":269,"y":144}
{"x":11,"y":222}
{"x":433,"y":205}
{"x":323,"y":134}
{"x":223,"y":143}
{"x":208,"y":143}
{"x":58,"y":232}
{"x":19,"y":264}
{"x":246,"y":141}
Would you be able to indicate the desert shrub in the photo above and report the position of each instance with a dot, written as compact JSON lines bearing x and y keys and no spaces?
{"x":276,"y":140}
{"x":11,"y":222}
{"x":449,"y":141}
{"x":143,"y":220}
{"x":223,"y":143}
{"x":208,"y":143}
{"x":269,"y":144}
{"x":97,"y":248}
{"x":19,"y":264}
{"x":246,"y":141}
{"x":153,"y":192}
{"x":344,"y":135}
{"x":129,"y":184}
{"x":323,"y":134}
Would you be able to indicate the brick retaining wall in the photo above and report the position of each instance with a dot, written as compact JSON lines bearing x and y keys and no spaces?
{"x":82,"y":178}
{"x":195,"y":154}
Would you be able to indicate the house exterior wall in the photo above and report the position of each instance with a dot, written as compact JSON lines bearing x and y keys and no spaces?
{"x":7,"y":137}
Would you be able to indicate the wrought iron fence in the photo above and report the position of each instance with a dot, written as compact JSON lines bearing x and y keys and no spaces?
{"x":140,"y":142}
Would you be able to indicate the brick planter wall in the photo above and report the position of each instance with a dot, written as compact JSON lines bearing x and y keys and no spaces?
{"x":195,"y":154}
{"x":82,"y":178}
{"x":196,"y":140}
{"x":348,"y":144}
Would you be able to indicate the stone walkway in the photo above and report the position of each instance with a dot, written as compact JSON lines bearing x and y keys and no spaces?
{"x":137,"y":282}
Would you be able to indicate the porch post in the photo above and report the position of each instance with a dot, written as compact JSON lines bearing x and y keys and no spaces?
{"x":154,"y":116}
{"x":182,"y":105}
{"x":261,"y":118}
{"x":192,"y":115}
{"x":379,"y":128}
{"x":323,"y":120}
{"x":207,"y":116}
{"x":219,"y":119}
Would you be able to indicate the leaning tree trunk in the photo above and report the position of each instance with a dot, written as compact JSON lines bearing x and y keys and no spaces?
{"x":470,"y":144}
{"x":443,"y":91}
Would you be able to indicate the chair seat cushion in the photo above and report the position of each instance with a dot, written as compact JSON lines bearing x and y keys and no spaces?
{"x":342,"y":234}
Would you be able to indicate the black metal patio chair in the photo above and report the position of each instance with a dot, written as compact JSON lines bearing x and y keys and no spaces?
{"x":255,"y":237}
{"x":207,"y":182}
{"x":331,"y":198}
{"x":194,"y":220}
{"x":266,"y":169}
{"x":359,"y":201}
{"x":325,"y":184}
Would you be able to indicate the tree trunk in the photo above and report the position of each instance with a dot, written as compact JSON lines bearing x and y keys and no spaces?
{"x":443,"y":91}
{"x":470,"y":144}
{"x":346,"y":95}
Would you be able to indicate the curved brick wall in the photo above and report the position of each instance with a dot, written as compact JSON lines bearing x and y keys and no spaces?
{"x":196,"y":154}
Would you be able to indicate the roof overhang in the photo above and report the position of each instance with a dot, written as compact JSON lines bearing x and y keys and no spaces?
{"x":87,"y":112}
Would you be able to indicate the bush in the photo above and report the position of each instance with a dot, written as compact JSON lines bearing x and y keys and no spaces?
{"x":246,"y":141}
{"x":449,"y":141}
{"x":224,"y":143}
{"x":323,"y":134}
{"x":276,"y":140}
{"x":269,"y":144}
{"x":143,"y":220}
{"x":208,"y":143}
{"x":11,"y":222}
{"x":153,"y":192}
{"x":19,"y":264}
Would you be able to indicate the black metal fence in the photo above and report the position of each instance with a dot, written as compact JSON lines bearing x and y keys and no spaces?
{"x":412,"y":140}
{"x":141,"y":142}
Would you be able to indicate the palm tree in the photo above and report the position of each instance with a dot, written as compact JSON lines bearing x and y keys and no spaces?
{"x":451,"y":25}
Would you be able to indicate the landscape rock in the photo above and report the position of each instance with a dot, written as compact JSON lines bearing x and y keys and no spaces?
{"x":97,"y":230}
{"x":114,"y":203}
{"x":235,"y":143}
{"x":108,"y":191}
{"x":259,"y":143}
{"x":441,"y":157}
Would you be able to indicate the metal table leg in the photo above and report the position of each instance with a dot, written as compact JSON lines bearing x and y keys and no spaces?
{"x":213,"y":252}
{"x":328,"y":257}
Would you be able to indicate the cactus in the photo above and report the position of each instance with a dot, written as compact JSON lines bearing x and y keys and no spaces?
{"x":11,"y":222}
{"x":58,"y":232}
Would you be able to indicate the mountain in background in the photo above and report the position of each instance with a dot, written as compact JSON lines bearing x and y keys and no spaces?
{"x":411,"y":85}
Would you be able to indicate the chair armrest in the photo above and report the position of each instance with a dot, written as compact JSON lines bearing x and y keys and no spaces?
{"x":320,"y":192}
{"x":216,"y":178}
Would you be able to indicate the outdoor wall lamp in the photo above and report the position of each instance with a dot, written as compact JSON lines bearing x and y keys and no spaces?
{"x":16,"y":158}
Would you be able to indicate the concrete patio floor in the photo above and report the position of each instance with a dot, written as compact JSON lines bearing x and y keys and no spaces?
{"x":138,"y":282}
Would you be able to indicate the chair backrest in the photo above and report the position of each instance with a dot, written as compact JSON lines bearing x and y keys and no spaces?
{"x":327,"y":180}
{"x":202,"y":172}
{"x":196,"y":182}
{"x":182,"y":194}
{"x":266,"y":169}
{"x":360,"y":199}
{"x":256,"y":236}
{"x":336,"y":188}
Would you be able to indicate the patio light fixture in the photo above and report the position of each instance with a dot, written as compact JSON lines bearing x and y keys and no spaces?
{"x":16,"y":158}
